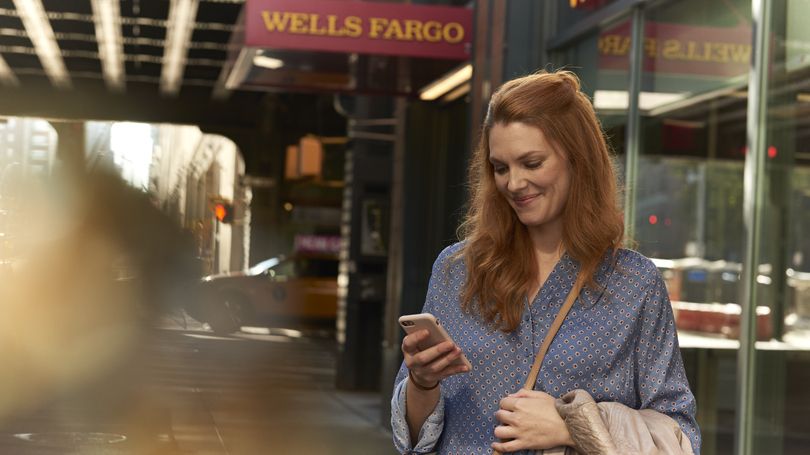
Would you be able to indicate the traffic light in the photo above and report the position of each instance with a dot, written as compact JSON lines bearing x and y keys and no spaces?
{"x":223,"y":212}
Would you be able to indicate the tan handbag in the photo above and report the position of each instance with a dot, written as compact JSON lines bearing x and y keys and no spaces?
{"x":552,"y":332}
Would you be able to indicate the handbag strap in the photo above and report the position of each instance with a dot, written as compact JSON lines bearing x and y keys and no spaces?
{"x":552,"y":332}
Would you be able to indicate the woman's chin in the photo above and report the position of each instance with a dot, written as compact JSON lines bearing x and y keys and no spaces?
{"x":529,"y":221}
{"x":535,"y":221}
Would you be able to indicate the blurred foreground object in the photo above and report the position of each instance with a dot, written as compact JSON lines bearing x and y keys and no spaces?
{"x":93,"y":262}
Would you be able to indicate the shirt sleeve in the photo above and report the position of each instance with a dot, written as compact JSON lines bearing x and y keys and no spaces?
{"x":661,"y":378}
{"x":432,"y":429}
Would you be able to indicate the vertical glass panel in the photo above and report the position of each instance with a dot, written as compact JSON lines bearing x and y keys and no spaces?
{"x":783,"y":363}
{"x":689,"y":191}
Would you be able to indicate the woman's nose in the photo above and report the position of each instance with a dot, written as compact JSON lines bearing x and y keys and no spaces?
{"x":516,"y":181}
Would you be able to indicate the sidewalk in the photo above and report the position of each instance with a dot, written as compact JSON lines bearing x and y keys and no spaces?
{"x":274,"y":393}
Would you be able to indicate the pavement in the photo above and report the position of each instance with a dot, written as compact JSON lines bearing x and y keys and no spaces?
{"x":188,"y":391}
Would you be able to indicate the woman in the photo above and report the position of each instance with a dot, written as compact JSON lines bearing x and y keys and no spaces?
{"x":543,"y":210}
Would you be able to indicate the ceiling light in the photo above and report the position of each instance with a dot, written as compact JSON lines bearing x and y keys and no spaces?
{"x":107,"y":18}
{"x":684,"y":123}
{"x":268,"y":62}
{"x":457,"y":93}
{"x":618,"y":99}
{"x":446,"y":83}
{"x":7,"y":76}
{"x":182,"y":17}
{"x":232,"y":77}
{"x":40,"y":33}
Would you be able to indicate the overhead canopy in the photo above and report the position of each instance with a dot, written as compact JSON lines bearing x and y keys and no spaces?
{"x":190,"y":61}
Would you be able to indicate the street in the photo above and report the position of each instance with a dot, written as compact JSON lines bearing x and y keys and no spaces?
{"x":266,"y":392}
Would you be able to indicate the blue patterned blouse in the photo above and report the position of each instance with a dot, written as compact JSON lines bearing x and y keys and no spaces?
{"x":618,"y":343}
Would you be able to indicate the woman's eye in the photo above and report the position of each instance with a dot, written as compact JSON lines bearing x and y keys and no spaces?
{"x":500,"y":170}
{"x":534,"y":164}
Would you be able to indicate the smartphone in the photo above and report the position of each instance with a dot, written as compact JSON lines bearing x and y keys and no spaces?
{"x":414,"y":322}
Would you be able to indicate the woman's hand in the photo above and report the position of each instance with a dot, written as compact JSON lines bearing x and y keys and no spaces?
{"x":529,"y":420}
{"x":431,"y":365}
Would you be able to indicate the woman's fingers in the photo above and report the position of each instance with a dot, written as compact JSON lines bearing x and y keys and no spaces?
{"x":431,"y":354}
{"x":434,"y":359}
{"x":523,"y":393}
{"x":508,"y":446}
{"x":433,"y":363}
{"x":456,"y":369}
{"x":533,"y":419}
{"x":444,"y":360}
{"x":505,"y":432}
{"x":506,"y":418}
{"x":509,"y":403}
{"x":410,"y":344}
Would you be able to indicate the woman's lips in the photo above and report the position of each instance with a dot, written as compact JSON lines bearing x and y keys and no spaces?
{"x":524,"y":200}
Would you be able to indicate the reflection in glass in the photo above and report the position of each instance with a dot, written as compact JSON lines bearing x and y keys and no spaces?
{"x":605,"y":84}
{"x":689,"y":190}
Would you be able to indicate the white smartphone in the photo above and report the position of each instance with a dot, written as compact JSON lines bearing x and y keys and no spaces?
{"x":413,"y":322}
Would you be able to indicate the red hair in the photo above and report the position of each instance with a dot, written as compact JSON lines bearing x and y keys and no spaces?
{"x":498,"y":252}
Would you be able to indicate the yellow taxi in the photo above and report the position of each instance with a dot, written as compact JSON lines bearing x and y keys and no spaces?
{"x":300,"y":289}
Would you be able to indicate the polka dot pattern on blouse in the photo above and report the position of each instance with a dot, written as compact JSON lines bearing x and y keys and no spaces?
{"x":618,"y":343}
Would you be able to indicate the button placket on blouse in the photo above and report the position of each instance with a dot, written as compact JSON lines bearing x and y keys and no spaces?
{"x":526,"y":330}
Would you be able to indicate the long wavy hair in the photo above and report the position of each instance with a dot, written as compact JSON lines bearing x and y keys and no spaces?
{"x":498,"y":252}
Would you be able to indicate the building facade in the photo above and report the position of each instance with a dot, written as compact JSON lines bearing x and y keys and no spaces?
{"x":191,"y":172}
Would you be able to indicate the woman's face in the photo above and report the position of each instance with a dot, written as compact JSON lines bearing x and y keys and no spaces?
{"x":529,"y":172}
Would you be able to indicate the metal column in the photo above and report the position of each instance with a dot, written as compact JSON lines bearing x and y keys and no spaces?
{"x":633,"y":122}
{"x":753,"y":212}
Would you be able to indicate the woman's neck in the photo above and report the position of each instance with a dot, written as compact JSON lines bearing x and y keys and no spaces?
{"x":547,"y":242}
{"x":548,"y":249}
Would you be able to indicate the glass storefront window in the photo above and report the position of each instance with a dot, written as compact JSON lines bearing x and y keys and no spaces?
{"x":689,"y":188}
{"x":689,"y":197}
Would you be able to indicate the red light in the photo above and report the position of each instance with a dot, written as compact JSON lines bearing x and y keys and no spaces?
{"x":588,"y":4}
{"x":220,"y":211}
{"x":653,"y":219}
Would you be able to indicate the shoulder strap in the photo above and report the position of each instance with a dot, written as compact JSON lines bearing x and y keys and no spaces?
{"x":552,"y":332}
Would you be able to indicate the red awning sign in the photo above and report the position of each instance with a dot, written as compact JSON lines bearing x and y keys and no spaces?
{"x":352,"y":26}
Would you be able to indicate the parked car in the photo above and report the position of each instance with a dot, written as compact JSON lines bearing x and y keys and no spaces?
{"x":297,"y":289}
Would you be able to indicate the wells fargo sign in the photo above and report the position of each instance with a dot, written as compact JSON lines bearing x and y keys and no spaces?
{"x":363,"y":27}
{"x":681,"y":49}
